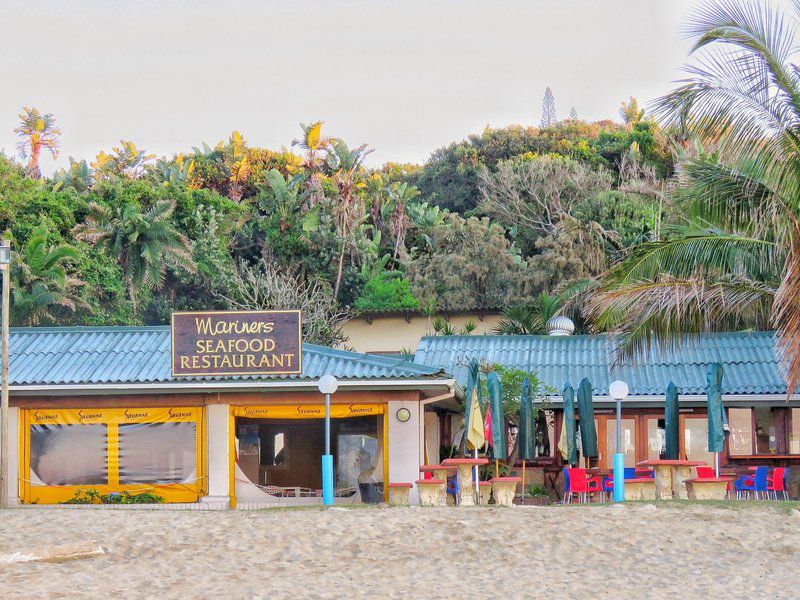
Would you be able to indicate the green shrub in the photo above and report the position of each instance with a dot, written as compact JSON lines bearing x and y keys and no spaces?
{"x":387,"y":291}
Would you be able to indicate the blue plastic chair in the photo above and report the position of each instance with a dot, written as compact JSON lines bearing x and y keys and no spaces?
{"x":452,"y":488}
{"x":567,"y":493}
{"x":630,"y":472}
{"x":757,"y":484}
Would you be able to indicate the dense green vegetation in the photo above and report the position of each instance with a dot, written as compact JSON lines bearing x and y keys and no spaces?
{"x":491,"y":222}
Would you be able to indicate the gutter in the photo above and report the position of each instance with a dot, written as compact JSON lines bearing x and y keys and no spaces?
{"x":218,"y":386}
{"x":694,"y":399}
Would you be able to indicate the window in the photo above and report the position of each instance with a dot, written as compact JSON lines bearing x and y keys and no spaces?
{"x":656,"y":438}
{"x":157,"y":453}
{"x":627,"y":440}
{"x":794,"y":432}
{"x":69,"y":455}
{"x":766,"y":442}
{"x":741,"y":424}
{"x":695,"y":437}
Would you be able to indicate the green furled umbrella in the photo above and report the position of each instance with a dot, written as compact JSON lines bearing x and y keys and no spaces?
{"x":672,"y":421}
{"x":567,"y":443}
{"x":499,"y":450}
{"x":717,"y":421}
{"x":472,"y":385}
{"x":526,"y":439}
{"x":586,"y":422}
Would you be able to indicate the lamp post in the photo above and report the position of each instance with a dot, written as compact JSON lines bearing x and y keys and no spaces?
{"x":5,"y":268}
{"x":327,"y":385}
{"x":619,"y":391}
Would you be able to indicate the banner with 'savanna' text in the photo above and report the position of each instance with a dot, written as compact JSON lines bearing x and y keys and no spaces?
{"x":220,"y":343}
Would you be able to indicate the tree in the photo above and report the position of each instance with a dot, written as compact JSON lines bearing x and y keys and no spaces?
{"x":736,"y":261}
{"x":573,"y":114}
{"x":345,"y":166}
{"x":145,"y":243}
{"x":264,"y":287}
{"x":41,"y":282}
{"x":470,"y":265}
{"x":37,"y":132}
{"x":529,"y":318}
{"x":549,"y":117}
{"x":125,"y":161}
{"x":313,"y":144}
{"x":630,"y":112}
{"x":387,"y":291}
{"x":78,"y":176}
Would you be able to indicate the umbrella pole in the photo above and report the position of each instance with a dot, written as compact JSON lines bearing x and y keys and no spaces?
{"x":523,"y":477}
{"x":475,"y":479}
{"x":716,"y":464}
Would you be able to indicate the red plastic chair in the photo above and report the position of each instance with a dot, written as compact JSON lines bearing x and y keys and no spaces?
{"x":705,"y":472}
{"x":583,"y":486}
{"x":777,"y":483}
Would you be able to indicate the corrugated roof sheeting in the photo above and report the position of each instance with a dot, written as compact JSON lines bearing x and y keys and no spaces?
{"x":750,"y":361}
{"x":85,"y":355}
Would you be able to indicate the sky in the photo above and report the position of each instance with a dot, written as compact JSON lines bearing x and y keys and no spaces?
{"x":404,"y":76}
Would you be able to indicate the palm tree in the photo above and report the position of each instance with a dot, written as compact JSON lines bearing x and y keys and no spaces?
{"x":735,"y":261}
{"x":313,"y":144}
{"x":37,"y":132}
{"x":345,"y":166}
{"x":78,"y":176}
{"x":143,"y":243}
{"x":125,"y":161}
{"x":400,"y":194}
{"x":41,"y":282}
{"x":531,"y":317}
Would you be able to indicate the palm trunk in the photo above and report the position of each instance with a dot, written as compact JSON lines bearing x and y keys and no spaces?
{"x":339,"y":273}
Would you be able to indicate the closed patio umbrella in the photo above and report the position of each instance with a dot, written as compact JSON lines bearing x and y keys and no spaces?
{"x":717,"y":421}
{"x":567,"y":443}
{"x":498,"y":450}
{"x":586,"y":421}
{"x":526,"y":439}
{"x":472,"y":387}
{"x":672,"y":421}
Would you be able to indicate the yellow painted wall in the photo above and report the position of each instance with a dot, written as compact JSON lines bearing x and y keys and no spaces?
{"x":394,"y":334}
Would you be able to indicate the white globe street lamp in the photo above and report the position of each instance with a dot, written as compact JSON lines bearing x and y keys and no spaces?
{"x":327,"y":385}
{"x":5,"y":269}
{"x":619,"y":391}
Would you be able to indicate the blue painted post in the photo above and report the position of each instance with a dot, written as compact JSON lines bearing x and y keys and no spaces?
{"x":327,"y":459}
{"x":619,"y":460}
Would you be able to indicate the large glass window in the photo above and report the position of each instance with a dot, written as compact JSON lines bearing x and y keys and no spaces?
{"x":766,"y":442}
{"x":157,"y":453}
{"x":695,"y":436}
{"x":656,"y":438}
{"x":794,"y":432}
{"x":69,"y":455}
{"x":627,"y":439}
{"x":741,"y":437}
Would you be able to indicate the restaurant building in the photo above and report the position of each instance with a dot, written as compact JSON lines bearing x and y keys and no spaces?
{"x":100,"y":409}
{"x":764,"y":421}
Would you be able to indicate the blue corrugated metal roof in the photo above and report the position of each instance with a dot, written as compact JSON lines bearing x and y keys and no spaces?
{"x":750,"y":361}
{"x":85,"y":355}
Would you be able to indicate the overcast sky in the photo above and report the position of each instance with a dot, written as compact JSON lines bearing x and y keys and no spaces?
{"x":405,"y":76}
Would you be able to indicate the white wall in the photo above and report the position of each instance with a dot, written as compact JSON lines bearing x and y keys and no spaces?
{"x":218,"y":444}
{"x":13,"y":456}
{"x":405,"y":445}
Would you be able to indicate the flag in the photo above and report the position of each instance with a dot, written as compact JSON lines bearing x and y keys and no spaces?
{"x":487,"y":426}
{"x":475,"y":435}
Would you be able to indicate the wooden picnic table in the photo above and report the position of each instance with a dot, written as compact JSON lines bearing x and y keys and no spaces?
{"x":670,"y":476}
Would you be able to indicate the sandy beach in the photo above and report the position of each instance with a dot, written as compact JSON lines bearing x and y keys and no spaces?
{"x":632,"y":551}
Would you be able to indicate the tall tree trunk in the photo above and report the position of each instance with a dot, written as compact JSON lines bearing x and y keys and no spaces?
{"x":33,"y":164}
{"x":339,"y":273}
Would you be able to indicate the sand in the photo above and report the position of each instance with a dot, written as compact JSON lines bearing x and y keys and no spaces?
{"x":635,"y":551}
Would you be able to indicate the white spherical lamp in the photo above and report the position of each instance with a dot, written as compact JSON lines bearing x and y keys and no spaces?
{"x":618,"y":390}
{"x":327,"y":384}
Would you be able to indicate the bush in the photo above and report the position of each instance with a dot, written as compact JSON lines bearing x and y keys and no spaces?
{"x":387,"y":291}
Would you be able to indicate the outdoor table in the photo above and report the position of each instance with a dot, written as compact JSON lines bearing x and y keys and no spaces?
{"x":398,"y":494}
{"x":504,"y":489}
{"x":430,"y":491}
{"x":466,"y":488}
{"x":708,"y":488}
{"x":670,"y":476}
{"x":439,"y":472}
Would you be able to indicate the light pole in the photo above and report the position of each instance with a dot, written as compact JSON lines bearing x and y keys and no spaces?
{"x":327,"y":385}
{"x":5,"y":268}
{"x":619,"y":391}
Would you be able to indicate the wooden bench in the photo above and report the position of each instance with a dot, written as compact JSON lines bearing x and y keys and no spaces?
{"x":707,"y":488}
{"x":398,"y":494}
{"x":640,"y":488}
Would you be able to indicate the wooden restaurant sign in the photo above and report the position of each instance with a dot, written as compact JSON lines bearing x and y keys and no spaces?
{"x":257,"y":342}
